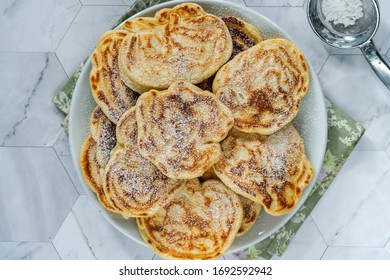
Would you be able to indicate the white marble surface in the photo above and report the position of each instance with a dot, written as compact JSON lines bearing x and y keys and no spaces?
{"x":62,"y":149}
{"x":79,"y":237}
{"x":36,"y":194}
{"x":44,"y":213}
{"x":37,"y":26}
{"x":356,"y":253}
{"x":84,"y":32}
{"x":28,"y":251}
{"x":28,"y":83}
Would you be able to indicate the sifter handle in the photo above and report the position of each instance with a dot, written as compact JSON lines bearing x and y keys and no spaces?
{"x":377,"y":62}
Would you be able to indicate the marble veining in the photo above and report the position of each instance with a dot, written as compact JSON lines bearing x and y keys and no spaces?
{"x":27,"y":104}
{"x":44,"y":213}
{"x":28,"y":82}
{"x":27,"y":251}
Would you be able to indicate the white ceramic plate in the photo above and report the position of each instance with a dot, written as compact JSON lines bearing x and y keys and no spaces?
{"x":311,"y":122}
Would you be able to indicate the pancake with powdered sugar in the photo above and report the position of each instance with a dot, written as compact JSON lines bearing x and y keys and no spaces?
{"x":263,"y":86}
{"x":184,"y":43}
{"x":266,"y":169}
{"x":179,"y":129}
{"x":132,"y":183}
{"x":200,"y":223}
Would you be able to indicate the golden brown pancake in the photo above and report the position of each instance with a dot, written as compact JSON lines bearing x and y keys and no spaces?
{"x":179,"y":129}
{"x":91,"y":171}
{"x":306,"y":172}
{"x":244,"y":35}
{"x":183,"y":43}
{"x":263,"y":86}
{"x":250,"y":214}
{"x":132,"y":183}
{"x":200,"y":223}
{"x":108,"y":90}
{"x":265,"y":169}
{"x":103,"y":132}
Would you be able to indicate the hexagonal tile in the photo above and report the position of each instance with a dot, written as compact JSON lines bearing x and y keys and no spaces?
{"x":35,"y":26}
{"x":86,"y":234}
{"x":36,"y":194}
{"x":84,"y":33}
{"x":381,"y":38}
{"x":284,"y":3}
{"x":354,"y":210}
{"x":351,"y":84}
{"x":63,"y":151}
{"x":356,"y":253}
{"x":294,"y":22}
{"x":28,"y":81}
{"x":27,"y":251}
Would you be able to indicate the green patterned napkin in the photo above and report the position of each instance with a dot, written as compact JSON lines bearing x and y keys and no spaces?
{"x":343,"y":135}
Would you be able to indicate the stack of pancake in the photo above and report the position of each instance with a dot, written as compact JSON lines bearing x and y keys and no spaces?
{"x":191,"y":134}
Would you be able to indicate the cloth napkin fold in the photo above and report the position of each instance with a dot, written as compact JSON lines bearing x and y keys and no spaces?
{"x":343,"y":135}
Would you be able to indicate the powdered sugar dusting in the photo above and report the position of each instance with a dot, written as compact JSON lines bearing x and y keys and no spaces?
{"x":200,"y":223}
{"x":179,"y":129}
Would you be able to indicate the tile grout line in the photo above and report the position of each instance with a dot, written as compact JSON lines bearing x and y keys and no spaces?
{"x":62,"y":66}
{"x":67,"y":173}
{"x":388,"y":240}
{"x":324,"y":252}
{"x":319,"y":72}
{"x":66,"y":32}
{"x":55,"y":249}
{"x":387,"y":148}
{"x":322,"y":236}
{"x":70,"y":211}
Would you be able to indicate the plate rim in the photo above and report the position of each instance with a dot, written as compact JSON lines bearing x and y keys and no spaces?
{"x":168,"y":4}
